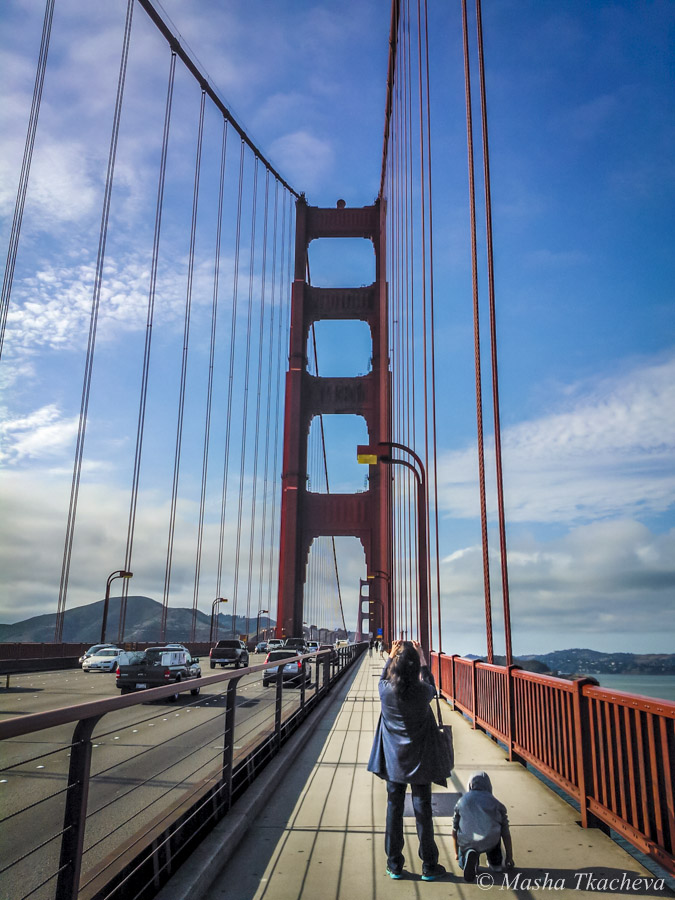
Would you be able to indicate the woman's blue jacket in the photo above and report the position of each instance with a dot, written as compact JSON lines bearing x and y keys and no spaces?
{"x":407,"y":746}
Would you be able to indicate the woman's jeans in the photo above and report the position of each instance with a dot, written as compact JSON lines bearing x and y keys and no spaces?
{"x":393,"y":837}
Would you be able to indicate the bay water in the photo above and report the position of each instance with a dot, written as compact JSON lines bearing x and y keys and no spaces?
{"x":660,"y":686}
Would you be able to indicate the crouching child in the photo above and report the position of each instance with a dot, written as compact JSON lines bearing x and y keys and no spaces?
{"x":479,"y":825}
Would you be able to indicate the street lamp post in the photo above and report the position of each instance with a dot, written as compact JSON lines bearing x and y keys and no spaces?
{"x":120,"y":573}
{"x":382,"y":453}
{"x":257,"y":624}
{"x":213,"y":632}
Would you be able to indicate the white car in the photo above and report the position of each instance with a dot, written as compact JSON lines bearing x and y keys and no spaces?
{"x":104,"y":660}
{"x":93,"y":650}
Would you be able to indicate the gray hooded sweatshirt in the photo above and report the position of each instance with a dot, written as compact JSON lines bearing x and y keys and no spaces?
{"x":480,"y":819}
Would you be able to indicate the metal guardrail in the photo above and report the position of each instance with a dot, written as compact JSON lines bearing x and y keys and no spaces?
{"x":125,"y":827}
{"x":612,"y":752}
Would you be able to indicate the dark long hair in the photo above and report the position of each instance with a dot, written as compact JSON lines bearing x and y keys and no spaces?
{"x":404,"y":669}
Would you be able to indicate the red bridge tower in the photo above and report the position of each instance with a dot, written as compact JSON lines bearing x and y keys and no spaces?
{"x":306,"y":515}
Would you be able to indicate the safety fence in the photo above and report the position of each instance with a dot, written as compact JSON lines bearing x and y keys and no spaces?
{"x":610,"y":751}
{"x":106,"y":799}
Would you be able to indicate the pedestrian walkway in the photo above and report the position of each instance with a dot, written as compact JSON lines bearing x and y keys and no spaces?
{"x":320,"y":832}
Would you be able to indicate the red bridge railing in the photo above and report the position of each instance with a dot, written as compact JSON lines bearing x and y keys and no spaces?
{"x":612,"y":752}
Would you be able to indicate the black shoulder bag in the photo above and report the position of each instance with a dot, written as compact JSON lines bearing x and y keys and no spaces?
{"x":445,"y":732}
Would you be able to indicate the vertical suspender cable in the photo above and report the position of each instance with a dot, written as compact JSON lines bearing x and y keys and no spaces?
{"x":410,"y":310}
{"x":183,"y":376}
{"x":425,"y":269}
{"x":256,"y":440}
{"x":244,"y":417}
{"x":268,"y":411}
{"x":15,"y":232}
{"x":209,"y":388}
{"x":228,"y":415}
{"x":476,"y":326}
{"x":148,"y":342}
{"x":325,"y":472}
{"x":93,"y":321}
{"x":277,"y":404}
{"x":432,"y":328}
{"x":493,"y":341}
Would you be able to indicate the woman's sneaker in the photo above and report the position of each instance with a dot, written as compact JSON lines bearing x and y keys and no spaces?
{"x":396,"y":874}
{"x":471,"y":865}
{"x":431,"y":873}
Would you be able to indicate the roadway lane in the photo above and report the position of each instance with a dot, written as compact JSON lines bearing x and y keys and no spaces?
{"x":145,"y":760}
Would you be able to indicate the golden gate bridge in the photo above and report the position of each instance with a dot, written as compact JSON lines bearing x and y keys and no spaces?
{"x":243,"y":442}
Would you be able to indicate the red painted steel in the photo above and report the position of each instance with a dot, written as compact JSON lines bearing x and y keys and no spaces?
{"x":305,"y":515}
{"x":611,"y":751}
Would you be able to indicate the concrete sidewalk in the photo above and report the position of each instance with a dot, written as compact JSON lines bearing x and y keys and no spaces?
{"x":320,"y":832}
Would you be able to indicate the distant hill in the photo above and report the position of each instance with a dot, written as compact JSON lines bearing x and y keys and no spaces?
{"x":593,"y":662}
{"x":530,"y":665}
{"x":83,"y":623}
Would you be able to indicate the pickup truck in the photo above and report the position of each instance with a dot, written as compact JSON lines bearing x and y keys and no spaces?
{"x":155,"y":667}
{"x":228,"y":653}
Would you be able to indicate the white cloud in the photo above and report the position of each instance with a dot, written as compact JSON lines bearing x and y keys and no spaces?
{"x":609,"y":585}
{"x":52,"y":306}
{"x":607,"y":451}
{"x":32,"y":530}
{"x":304,"y":157}
{"x":41,"y":433}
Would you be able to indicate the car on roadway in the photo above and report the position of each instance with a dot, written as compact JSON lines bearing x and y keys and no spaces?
{"x":312,"y":646}
{"x":93,"y":649}
{"x":104,"y":660}
{"x":155,"y":667}
{"x":275,"y":644}
{"x":291,"y":666}
{"x":299,"y":644}
{"x":228,"y":653}
{"x":261,"y":647}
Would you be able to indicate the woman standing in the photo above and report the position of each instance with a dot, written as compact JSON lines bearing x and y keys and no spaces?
{"x":408,"y":750}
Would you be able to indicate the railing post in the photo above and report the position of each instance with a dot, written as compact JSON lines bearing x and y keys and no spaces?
{"x":474,"y":695}
{"x":327,"y":664}
{"x":582,"y":738}
{"x":303,"y":673}
{"x":228,"y":747}
{"x":277,"y":704}
{"x":453,"y":657}
{"x":513,"y":756}
{"x":75,"y":814}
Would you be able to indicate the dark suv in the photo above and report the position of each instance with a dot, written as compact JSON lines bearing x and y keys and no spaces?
{"x":298,"y":644}
{"x":228,"y":653}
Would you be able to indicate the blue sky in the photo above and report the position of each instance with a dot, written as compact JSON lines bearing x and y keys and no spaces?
{"x":581,"y":125}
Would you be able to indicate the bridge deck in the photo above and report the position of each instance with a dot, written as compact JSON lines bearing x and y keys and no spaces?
{"x":320,"y":832}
